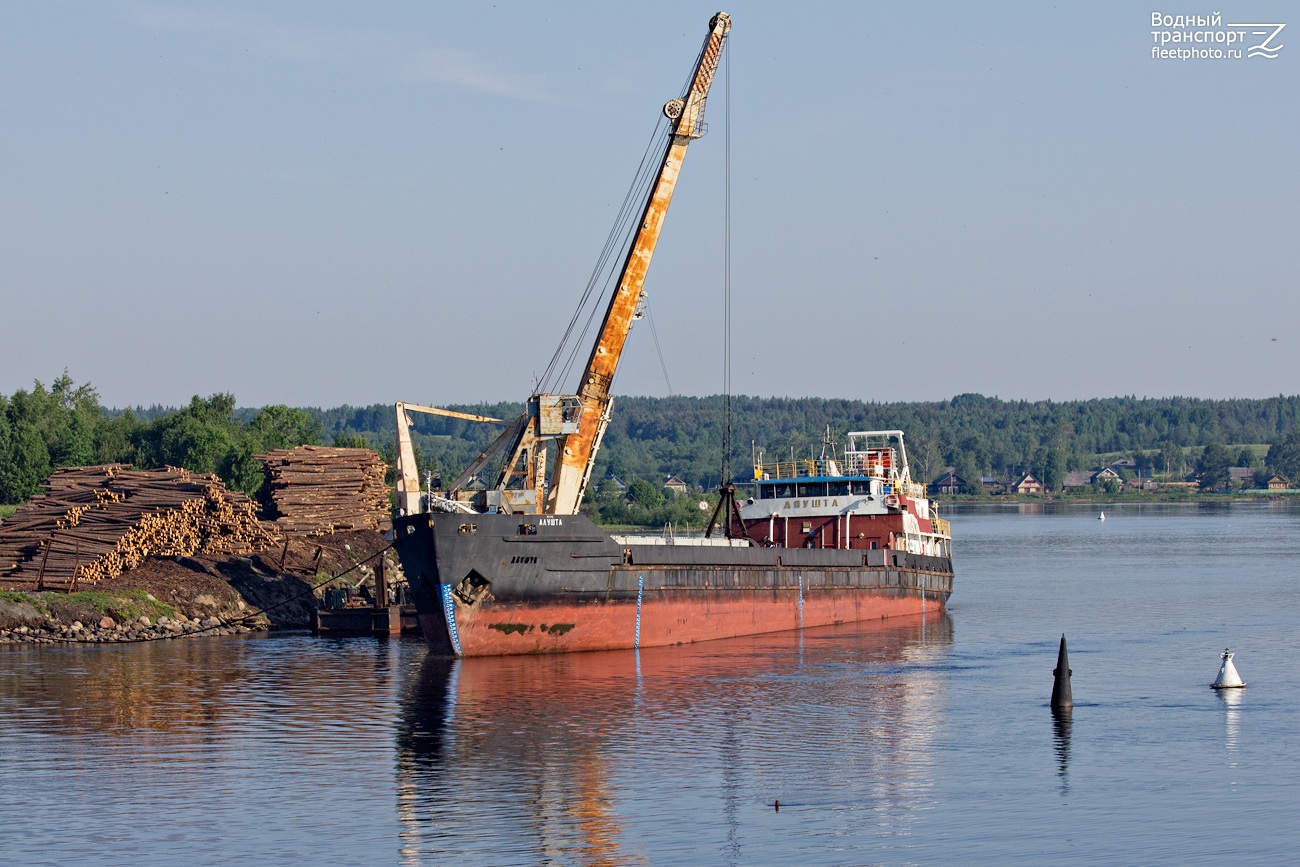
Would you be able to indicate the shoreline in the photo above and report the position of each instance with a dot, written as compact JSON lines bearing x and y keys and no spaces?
{"x":179,"y":597}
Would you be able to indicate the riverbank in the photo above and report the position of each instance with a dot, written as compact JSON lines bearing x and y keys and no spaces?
{"x":1097,"y":499}
{"x":201,"y":595}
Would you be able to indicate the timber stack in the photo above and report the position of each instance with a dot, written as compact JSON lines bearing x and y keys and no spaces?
{"x":94,"y":523}
{"x":314,"y":490}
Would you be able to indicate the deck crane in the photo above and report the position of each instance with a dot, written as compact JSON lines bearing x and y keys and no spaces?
{"x":574,"y":423}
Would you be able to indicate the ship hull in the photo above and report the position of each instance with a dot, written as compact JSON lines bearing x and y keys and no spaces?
{"x":488,"y":585}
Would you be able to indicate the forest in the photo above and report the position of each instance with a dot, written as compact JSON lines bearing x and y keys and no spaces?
{"x":650,"y":439}
{"x":654,"y":438}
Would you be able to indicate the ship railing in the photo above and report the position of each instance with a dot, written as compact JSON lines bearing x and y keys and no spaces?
{"x":942,"y":528}
{"x":824,"y":468}
{"x":796,"y":469}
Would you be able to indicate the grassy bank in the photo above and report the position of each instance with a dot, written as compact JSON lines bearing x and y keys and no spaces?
{"x":86,"y":606}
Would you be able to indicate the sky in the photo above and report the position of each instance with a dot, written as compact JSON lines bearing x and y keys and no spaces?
{"x":319,"y":203}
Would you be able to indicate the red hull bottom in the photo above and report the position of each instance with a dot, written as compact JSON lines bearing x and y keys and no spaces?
{"x":664,"y":618}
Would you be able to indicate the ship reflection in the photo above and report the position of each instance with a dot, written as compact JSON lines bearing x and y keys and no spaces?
{"x":570,"y":758}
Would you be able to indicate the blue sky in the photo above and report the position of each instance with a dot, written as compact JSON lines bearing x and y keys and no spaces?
{"x":318,"y":203}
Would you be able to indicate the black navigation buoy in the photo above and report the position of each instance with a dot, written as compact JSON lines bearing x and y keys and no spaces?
{"x":777,"y":804}
{"x":1061,"y":697}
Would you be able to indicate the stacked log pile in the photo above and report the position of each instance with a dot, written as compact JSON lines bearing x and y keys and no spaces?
{"x":313,"y":490}
{"x":94,"y":523}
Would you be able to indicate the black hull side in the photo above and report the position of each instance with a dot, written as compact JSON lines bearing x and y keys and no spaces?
{"x":467,"y":570}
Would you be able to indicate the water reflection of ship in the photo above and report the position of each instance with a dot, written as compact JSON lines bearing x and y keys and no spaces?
{"x":555,"y":749}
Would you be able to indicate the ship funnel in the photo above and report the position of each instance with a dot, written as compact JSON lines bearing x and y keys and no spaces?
{"x":1228,"y":677}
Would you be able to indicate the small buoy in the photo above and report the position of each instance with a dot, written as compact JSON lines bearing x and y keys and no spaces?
{"x":777,"y":804}
{"x":1228,"y":677}
{"x":1101,"y":517}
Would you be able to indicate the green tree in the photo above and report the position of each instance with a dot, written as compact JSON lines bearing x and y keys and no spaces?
{"x":43,"y":429}
{"x":71,"y":415}
{"x":1171,"y":459}
{"x":283,"y":427}
{"x":113,"y":438}
{"x":1284,"y":456}
{"x":645,"y":494}
{"x":352,"y":441}
{"x":203,"y":437}
{"x":1212,"y":467}
{"x":1053,"y":470}
{"x":24,"y":464}
{"x":970,"y":472}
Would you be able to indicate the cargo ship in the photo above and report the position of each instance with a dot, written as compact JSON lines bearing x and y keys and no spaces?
{"x":822,"y":542}
{"x":514,"y":567}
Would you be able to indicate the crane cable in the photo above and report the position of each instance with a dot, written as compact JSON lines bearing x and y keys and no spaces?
{"x":654,"y":332}
{"x":726,"y":282}
{"x":618,"y":240}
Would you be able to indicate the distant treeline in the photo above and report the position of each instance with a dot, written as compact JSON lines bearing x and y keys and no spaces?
{"x":648,"y":438}
{"x":42,"y":429}
{"x":653,"y":438}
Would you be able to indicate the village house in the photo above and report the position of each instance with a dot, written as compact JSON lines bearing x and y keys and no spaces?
{"x":948,"y":484}
{"x":676,"y":486}
{"x":1027,"y":485}
{"x":1105,"y":474}
{"x":1277,"y":483}
{"x":1076,"y":480}
{"x":1241,"y":477}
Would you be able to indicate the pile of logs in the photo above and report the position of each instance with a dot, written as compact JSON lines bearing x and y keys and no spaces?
{"x":94,"y":523}
{"x":312,"y":490}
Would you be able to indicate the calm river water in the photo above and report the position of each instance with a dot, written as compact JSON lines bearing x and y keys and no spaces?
{"x":897,"y":743}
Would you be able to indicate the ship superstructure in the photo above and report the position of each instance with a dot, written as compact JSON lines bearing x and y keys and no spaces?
{"x":861,"y":498}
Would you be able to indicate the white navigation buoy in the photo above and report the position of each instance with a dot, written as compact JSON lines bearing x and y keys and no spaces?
{"x":1228,"y":677}
{"x":1101,"y":517}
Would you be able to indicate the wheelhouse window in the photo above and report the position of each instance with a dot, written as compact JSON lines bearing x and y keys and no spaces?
{"x":811,"y":489}
{"x":860,"y":486}
{"x":837,"y":489}
{"x":766,"y":492}
{"x":785,"y":489}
